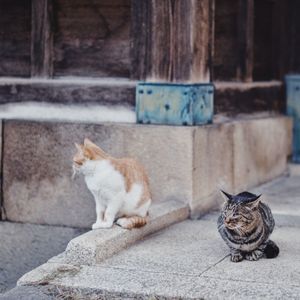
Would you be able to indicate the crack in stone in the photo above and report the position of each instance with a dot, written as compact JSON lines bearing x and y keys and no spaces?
{"x":219,"y":261}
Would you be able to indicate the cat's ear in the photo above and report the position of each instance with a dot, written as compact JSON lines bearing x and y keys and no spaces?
{"x":227,"y":197}
{"x":78,"y":147}
{"x":254,"y":202}
{"x":89,"y":143}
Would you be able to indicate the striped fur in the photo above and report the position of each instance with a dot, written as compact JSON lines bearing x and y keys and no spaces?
{"x":132,"y":222}
{"x":246,"y":224}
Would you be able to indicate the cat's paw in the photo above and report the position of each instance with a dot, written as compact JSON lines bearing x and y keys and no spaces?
{"x":236,"y":257}
{"x":254,"y":255}
{"x":99,"y":225}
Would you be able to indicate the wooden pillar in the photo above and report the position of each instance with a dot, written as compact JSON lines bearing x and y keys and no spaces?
{"x":41,"y":38}
{"x":292,"y":45}
{"x":279,"y":39}
{"x":245,"y":40}
{"x":172,"y":40}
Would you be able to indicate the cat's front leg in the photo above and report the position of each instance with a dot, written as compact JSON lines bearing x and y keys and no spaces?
{"x":257,"y":253}
{"x":100,"y":209}
{"x":236,"y":255}
{"x":110,"y":214}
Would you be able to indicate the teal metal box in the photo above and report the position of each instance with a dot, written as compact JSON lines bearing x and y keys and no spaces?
{"x":293,"y":110}
{"x":174,"y":104}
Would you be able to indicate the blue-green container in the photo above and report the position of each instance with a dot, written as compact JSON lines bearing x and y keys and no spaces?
{"x":174,"y":103}
{"x":293,"y":110}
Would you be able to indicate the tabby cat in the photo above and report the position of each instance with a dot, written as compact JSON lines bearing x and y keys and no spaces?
{"x":245,"y":224}
{"x":120,"y":186}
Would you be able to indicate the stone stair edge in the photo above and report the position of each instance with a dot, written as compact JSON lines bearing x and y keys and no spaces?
{"x":97,"y":245}
{"x":217,"y":123}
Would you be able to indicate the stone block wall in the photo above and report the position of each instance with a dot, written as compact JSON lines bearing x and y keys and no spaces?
{"x":189,"y":164}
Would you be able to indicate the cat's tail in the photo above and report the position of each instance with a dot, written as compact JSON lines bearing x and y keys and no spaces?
{"x":271,"y":250}
{"x":132,"y":222}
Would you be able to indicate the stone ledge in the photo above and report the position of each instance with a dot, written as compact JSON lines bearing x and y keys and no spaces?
{"x":236,"y":156}
{"x":187,"y":164}
{"x":97,"y":245}
{"x":145,"y":272}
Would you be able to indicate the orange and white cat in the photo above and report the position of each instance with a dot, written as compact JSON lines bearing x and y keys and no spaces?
{"x":120,"y":186}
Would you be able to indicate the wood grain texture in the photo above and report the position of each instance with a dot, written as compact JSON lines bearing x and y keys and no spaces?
{"x":280,"y":51}
{"x":202,"y":39}
{"x":233,"y":48}
{"x":293,"y":39}
{"x":91,"y":38}
{"x":42,"y":38}
{"x":245,"y":39}
{"x":230,"y":98}
{"x":237,"y":99}
{"x":140,"y":39}
{"x":225,"y":59}
{"x":68,"y":93}
{"x":175,"y":40}
{"x":264,"y":39}
{"x":15,"y":16}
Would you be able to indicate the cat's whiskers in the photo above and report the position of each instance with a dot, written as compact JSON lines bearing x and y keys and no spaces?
{"x":75,"y":172}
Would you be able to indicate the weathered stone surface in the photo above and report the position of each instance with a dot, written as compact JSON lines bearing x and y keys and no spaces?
{"x":281,"y":270}
{"x":27,"y":293}
{"x":261,"y":148}
{"x":213,"y":165}
{"x":97,"y":245}
{"x":144,"y":270}
{"x":294,"y":170}
{"x":38,"y":167}
{"x":236,"y":156}
{"x":26,"y":246}
{"x":188,"y":260}
{"x":187,"y":164}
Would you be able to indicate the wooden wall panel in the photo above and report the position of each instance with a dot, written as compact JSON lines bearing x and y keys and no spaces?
{"x":293,"y":36}
{"x":245,"y":40}
{"x":263,"y":48}
{"x":15,"y":26}
{"x":91,"y":38}
{"x":42,"y":38}
{"x":172,"y":40}
{"x":226,"y":53}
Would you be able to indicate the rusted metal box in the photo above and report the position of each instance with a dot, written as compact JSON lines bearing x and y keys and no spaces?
{"x":293,"y":110}
{"x":174,"y":104}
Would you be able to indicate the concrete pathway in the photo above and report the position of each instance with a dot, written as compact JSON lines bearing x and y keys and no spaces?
{"x":26,"y":246}
{"x":189,"y":260}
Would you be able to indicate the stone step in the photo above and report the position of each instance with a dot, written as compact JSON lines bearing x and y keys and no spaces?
{"x":188,"y":260}
{"x":97,"y":245}
{"x":186,"y":164}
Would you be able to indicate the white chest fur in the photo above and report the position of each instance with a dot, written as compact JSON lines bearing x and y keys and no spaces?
{"x":102,"y":176}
